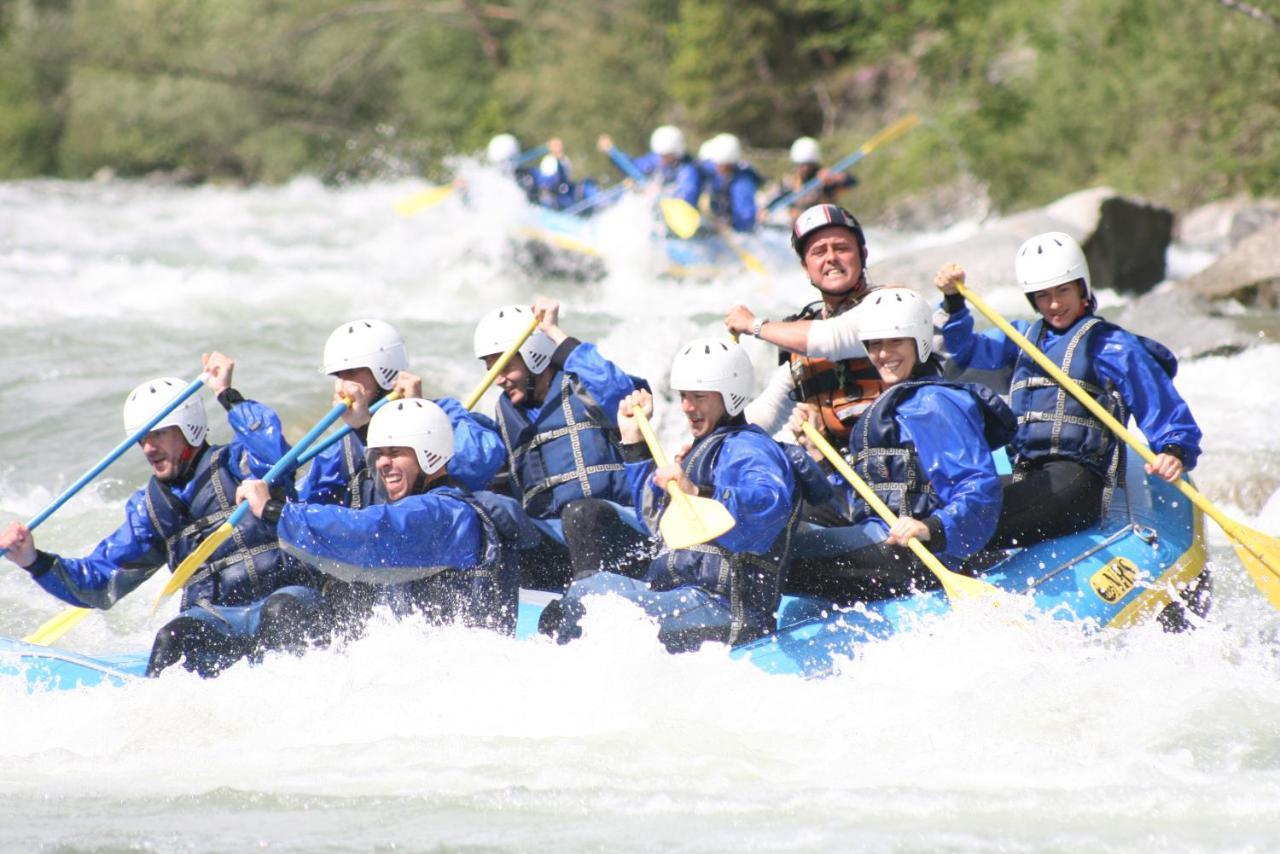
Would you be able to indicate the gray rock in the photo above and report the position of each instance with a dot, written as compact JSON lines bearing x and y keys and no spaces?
{"x":1223,"y":225}
{"x":1249,"y":274}
{"x":1188,"y":324}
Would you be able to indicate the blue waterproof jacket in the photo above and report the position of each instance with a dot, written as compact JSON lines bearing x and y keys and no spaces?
{"x":445,"y":551}
{"x":925,"y":447}
{"x":165,"y":522}
{"x":679,"y":180}
{"x":1112,"y":361}
{"x":567,"y":447}
{"x":558,"y":190}
{"x":743,"y":468}
{"x":478,"y":455}
{"x":733,"y":198}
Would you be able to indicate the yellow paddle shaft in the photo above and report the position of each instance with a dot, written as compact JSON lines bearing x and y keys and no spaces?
{"x":58,"y":626}
{"x":501,"y":364}
{"x":1074,"y":389}
{"x":956,"y":586}
{"x":893,"y":131}
{"x":193,"y":561}
{"x":660,"y":459}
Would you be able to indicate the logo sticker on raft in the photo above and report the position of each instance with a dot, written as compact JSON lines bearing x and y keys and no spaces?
{"x":1114,"y":581}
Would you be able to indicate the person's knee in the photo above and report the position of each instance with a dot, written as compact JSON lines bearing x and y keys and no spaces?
{"x":287,"y":622}
{"x":587,"y":516}
{"x":191,"y":641}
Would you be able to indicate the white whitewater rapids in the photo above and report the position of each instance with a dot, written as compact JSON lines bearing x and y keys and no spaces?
{"x":968,"y":734}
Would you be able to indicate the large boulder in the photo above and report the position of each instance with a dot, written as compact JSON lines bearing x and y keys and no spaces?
{"x":1126,"y":250}
{"x":1249,"y":273}
{"x":1124,"y":240}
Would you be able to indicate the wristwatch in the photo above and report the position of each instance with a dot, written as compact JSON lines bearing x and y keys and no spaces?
{"x":755,"y":327}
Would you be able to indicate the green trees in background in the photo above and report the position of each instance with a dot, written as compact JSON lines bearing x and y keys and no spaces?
{"x":1175,"y":99}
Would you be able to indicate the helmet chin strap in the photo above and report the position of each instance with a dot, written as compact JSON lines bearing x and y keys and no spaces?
{"x":184,"y":463}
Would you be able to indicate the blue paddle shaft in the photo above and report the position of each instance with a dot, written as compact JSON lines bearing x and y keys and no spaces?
{"x":628,"y":166}
{"x":598,"y":199}
{"x":115,"y":454}
{"x":329,"y":441}
{"x":533,"y":153}
{"x":812,"y":183}
{"x":288,"y":461}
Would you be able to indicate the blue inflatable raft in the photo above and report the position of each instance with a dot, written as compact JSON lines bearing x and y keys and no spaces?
{"x":569,"y":244}
{"x":1125,"y":571}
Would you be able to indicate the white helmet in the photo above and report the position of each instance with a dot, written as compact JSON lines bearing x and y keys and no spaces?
{"x":502,"y":149}
{"x":806,"y":150}
{"x":705,"y":149}
{"x":417,"y":424}
{"x":715,"y":364}
{"x":366,"y":343}
{"x":667,"y":140}
{"x":1050,"y":259}
{"x":498,"y":329}
{"x":725,"y":150}
{"x":549,"y":166}
{"x":150,"y":397}
{"x":896,"y":312}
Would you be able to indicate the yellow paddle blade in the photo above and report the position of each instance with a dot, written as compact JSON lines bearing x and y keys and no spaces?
{"x":957,"y":587}
{"x":423,"y":199}
{"x":690,"y":520}
{"x":58,"y":626}
{"x":194,"y":561}
{"x":750,"y":261}
{"x":681,"y":217}
{"x":1260,"y":555}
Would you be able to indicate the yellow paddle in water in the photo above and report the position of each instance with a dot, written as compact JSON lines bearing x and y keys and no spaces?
{"x":957,"y":587}
{"x":681,"y":217}
{"x":58,"y":626}
{"x":699,"y":519}
{"x":684,"y":220}
{"x":1259,"y":552}
{"x":202,"y":553}
{"x":423,"y":199}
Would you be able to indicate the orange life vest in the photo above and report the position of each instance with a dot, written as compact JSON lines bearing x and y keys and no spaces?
{"x":841,"y":390}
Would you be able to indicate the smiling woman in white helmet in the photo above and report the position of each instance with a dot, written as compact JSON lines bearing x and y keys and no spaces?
{"x":725,"y":590}
{"x":924,"y":447}
{"x":556,"y":417}
{"x":413,"y":539}
{"x":367,"y":359}
{"x":251,"y":597}
{"x":1064,"y":458}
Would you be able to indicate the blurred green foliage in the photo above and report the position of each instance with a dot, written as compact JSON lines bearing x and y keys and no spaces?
{"x":1172,"y":99}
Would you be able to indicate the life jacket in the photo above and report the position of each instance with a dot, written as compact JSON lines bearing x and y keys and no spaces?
{"x":485,"y":595}
{"x":1051,"y":423}
{"x":824,"y":193}
{"x":840,"y":390}
{"x":891,"y":467}
{"x":569,"y":452}
{"x":752,"y":583}
{"x":719,"y":188}
{"x":245,"y":568}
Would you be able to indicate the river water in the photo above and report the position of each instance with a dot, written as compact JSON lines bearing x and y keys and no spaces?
{"x":967,"y":734}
